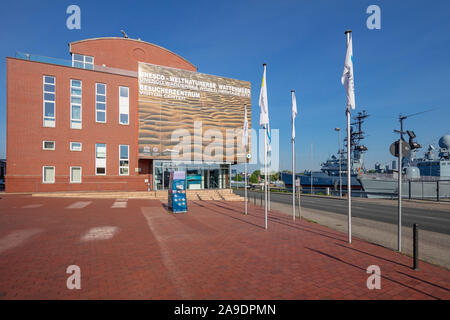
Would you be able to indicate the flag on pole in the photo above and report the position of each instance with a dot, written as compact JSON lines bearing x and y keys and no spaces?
{"x":263,"y":103}
{"x":347,"y":75}
{"x":245,"y":129}
{"x":294,"y":113}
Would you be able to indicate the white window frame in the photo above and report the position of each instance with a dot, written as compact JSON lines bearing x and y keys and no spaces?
{"x":72,"y":149}
{"x":106,"y":156}
{"x":48,"y":122}
{"x":43,"y":145}
{"x":124,"y":104}
{"x":84,"y":62}
{"x":43,"y":174}
{"x":81,"y":174}
{"x":74,"y":125}
{"x":127,"y":159}
{"x":105,"y":103}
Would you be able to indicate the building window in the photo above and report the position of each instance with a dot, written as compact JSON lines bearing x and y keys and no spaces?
{"x":75,"y":104}
{"x":82,"y":61}
{"x":48,"y":145}
{"x":100,"y":102}
{"x":75,"y":174}
{"x":48,"y":174}
{"x":124,"y":105}
{"x":124,"y":161}
{"x":100,"y":159}
{"x":49,"y":101}
{"x":75,"y":146}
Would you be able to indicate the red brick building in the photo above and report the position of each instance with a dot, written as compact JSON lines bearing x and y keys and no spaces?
{"x":73,"y":126}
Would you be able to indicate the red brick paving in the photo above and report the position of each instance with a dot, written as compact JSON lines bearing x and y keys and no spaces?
{"x":212,"y":252}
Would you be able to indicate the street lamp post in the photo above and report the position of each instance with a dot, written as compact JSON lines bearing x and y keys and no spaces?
{"x":339,"y":153}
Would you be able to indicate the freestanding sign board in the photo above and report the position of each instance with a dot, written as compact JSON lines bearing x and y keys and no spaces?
{"x":177,"y":192}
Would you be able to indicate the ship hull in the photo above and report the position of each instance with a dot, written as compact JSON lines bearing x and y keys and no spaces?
{"x":414,"y":189}
{"x":321,"y":180}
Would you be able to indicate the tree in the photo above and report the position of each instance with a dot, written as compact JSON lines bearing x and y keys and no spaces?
{"x":237,"y":177}
{"x":254,"y":177}
{"x":275,"y":176}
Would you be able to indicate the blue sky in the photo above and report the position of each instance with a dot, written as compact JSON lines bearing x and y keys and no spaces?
{"x":402,"y":68}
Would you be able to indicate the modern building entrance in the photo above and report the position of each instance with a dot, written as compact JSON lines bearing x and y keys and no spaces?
{"x":198,"y":176}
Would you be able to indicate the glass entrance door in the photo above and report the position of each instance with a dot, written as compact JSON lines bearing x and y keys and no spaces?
{"x":203,"y":176}
{"x":168,"y":167}
{"x":214,"y":175}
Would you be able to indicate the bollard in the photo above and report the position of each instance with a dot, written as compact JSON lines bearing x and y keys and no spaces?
{"x":416,"y":246}
{"x":261,"y":201}
{"x":409,"y":189}
{"x":437,"y":191}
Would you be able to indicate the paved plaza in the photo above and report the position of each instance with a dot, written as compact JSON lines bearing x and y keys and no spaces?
{"x":136,"y":249}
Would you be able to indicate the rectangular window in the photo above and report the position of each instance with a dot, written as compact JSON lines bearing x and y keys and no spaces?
{"x":100,"y":102}
{"x":75,"y":104}
{"x":48,"y":145}
{"x":124,"y":105}
{"x":48,"y":174}
{"x":100,"y":159}
{"x":75,"y":146}
{"x":49,"y":91}
{"x":124,"y":161}
{"x":82,"y":61}
{"x":75,"y":174}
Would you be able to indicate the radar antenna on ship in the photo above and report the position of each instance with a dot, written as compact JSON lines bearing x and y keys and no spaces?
{"x":356,"y":132}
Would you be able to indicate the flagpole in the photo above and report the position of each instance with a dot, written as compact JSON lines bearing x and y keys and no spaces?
{"x":245,"y":179}
{"x":293,"y":165}
{"x":349,"y":185}
{"x":293,"y":179}
{"x":268,"y":182}
{"x":245,"y":159}
{"x":299,"y":191}
{"x":265,"y":175}
{"x":265,"y":161}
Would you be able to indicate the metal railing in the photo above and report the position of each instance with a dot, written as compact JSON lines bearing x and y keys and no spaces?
{"x":68,"y":63}
{"x":438,"y":190}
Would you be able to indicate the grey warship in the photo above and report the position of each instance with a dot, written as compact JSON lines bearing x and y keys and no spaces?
{"x":328,"y":176}
{"x":427,"y":177}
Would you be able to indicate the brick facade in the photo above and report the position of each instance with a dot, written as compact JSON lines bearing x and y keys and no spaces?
{"x":26,"y":133}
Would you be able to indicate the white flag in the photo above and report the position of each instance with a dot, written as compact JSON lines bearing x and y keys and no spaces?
{"x":294,"y":113}
{"x":263,"y":103}
{"x":245,"y":130}
{"x":347,"y":75}
{"x":264,"y":113}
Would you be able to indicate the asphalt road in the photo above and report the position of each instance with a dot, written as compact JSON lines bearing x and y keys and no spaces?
{"x":428,"y":219}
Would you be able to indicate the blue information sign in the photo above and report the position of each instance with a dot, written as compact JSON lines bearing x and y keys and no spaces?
{"x":177,"y":192}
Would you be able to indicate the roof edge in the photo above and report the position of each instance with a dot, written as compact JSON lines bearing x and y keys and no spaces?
{"x":130,"y":39}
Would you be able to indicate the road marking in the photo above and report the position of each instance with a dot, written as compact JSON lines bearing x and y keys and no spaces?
{"x":17,"y":238}
{"x":79,"y":205}
{"x":120,"y":203}
{"x":100,"y":233}
{"x":32,"y":206}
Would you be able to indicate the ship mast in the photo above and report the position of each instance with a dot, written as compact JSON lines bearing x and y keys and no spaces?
{"x":356,"y":136}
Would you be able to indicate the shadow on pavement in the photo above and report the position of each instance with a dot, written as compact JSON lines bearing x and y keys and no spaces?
{"x":360,"y":268}
{"x":375,"y":256}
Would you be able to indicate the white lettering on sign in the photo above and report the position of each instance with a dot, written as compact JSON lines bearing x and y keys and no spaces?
{"x":159,"y":85}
